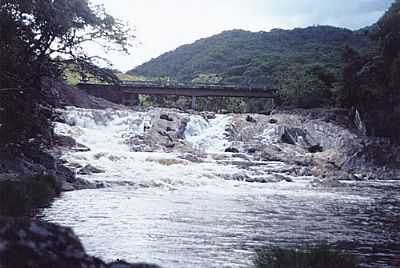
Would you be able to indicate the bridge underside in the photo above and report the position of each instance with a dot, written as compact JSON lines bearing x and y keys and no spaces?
{"x":126,"y":93}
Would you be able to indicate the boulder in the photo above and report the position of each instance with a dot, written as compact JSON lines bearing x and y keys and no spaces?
{"x":210,"y":116}
{"x":300,"y":137}
{"x":89,"y":169}
{"x":251,"y":119}
{"x":232,"y":150}
{"x":64,"y":141}
{"x":33,"y":243}
{"x":180,"y":133}
{"x":315,"y":149}
{"x":166,"y":117}
{"x":19,"y":196}
{"x":251,"y":150}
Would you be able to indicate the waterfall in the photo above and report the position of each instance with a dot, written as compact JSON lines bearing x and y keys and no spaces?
{"x":209,"y":135}
{"x":107,"y":132}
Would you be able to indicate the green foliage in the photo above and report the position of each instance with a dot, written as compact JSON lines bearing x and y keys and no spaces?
{"x":388,"y":33}
{"x":278,"y":59}
{"x":371,"y":81}
{"x":19,"y":196}
{"x":38,"y":40}
{"x":312,"y":257}
{"x":308,"y":86}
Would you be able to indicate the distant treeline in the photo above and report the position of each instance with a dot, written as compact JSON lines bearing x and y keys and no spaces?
{"x":305,"y":64}
{"x":319,"y":66}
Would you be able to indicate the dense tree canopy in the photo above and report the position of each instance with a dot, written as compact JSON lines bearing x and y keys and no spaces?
{"x":38,"y":38}
{"x":371,"y":82}
{"x":294,"y":61}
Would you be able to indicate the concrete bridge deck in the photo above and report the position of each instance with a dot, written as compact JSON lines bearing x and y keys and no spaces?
{"x":126,"y":89}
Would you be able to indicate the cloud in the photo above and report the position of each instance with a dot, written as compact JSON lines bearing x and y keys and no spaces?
{"x":164,"y":25}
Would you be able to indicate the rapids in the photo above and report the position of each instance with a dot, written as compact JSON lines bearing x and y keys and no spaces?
{"x":176,"y":213}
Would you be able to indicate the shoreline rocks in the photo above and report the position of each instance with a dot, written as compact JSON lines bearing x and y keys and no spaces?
{"x":33,"y":243}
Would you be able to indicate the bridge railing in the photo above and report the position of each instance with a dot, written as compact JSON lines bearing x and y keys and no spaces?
{"x":199,"y":85}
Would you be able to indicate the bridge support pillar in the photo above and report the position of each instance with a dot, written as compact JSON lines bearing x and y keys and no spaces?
{"x":194,"y":102}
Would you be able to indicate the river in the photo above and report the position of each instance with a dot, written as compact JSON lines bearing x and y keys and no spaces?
{"x":159,"y":208}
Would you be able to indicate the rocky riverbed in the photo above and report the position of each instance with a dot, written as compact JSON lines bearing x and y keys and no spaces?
{"x":318,"y":144}
{"x":191,"y":181}
{"x":166,"y":182}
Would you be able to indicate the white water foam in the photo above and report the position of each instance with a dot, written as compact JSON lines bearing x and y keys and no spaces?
{"x":208,"y":135}
{"x":186,"y":215}
{"x":106,"y":132}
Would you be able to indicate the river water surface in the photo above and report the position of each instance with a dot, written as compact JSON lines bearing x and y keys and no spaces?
{"x":187,"y":215}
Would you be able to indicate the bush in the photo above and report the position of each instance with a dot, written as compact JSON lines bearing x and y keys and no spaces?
{"x":20,"y":196}
{"x":309,"y":257}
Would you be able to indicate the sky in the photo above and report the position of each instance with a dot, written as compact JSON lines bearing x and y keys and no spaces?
{"x":163,"y":25}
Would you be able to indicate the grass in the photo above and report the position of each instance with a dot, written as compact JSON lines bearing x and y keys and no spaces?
{"x":309,"y":257}
{"x":21,"y":196}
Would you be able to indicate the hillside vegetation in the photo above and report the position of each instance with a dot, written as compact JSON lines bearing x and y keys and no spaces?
{"x":302,"y":63}
{"x":317,"y":66}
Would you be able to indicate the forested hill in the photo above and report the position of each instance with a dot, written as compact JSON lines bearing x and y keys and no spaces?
{"x":255,"y":58}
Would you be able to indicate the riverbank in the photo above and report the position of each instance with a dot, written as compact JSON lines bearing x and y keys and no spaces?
{"x":287,"y":151}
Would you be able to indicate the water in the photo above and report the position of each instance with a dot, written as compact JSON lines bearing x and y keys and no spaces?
{"x":187,"y":215}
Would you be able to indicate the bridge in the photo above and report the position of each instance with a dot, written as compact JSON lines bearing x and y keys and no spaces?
{"x":127,"y":92}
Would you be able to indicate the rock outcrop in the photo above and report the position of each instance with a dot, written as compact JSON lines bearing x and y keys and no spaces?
{"x":31,"y":243}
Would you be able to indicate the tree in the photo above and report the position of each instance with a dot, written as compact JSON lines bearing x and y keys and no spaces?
{"x":371,"y":82}
{"x":38,"y":39}
{"x":307,"y":86}
{"x":387,"y":33}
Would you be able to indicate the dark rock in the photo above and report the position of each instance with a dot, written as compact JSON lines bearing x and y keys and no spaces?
{"x":315,"y":149}
{"x":291,"y":135}
{"x":283,"y":178}
{"x":299,"y":137}
{"x":166,"y":117}
{"x":165,"y":134}
{"x":81,"y":148}
{"x":170,"y":145}
{"x":180,"y":133}
{"x":211,"y":116}
{"x":123,"y":264}
{"x":232,"y":150}
{"x":232,"y":132}
{"x":191,"y":157}
{"x":70,"y":143}
{"x":168,"y":129}
{"x":43,"y":158}
{"x":64,"y":173}
{"x":251,"y":119}
{"x":32,"y":243}
{"x":19,"y":196}
{"x":89,"y":169}
{"x":251,"y":150}
{"x":64,"y":141}
{"x":21,"y":166}
{"x":273,"y":121}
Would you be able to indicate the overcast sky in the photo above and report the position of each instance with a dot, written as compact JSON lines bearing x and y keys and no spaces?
{"x":163,"y":25}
